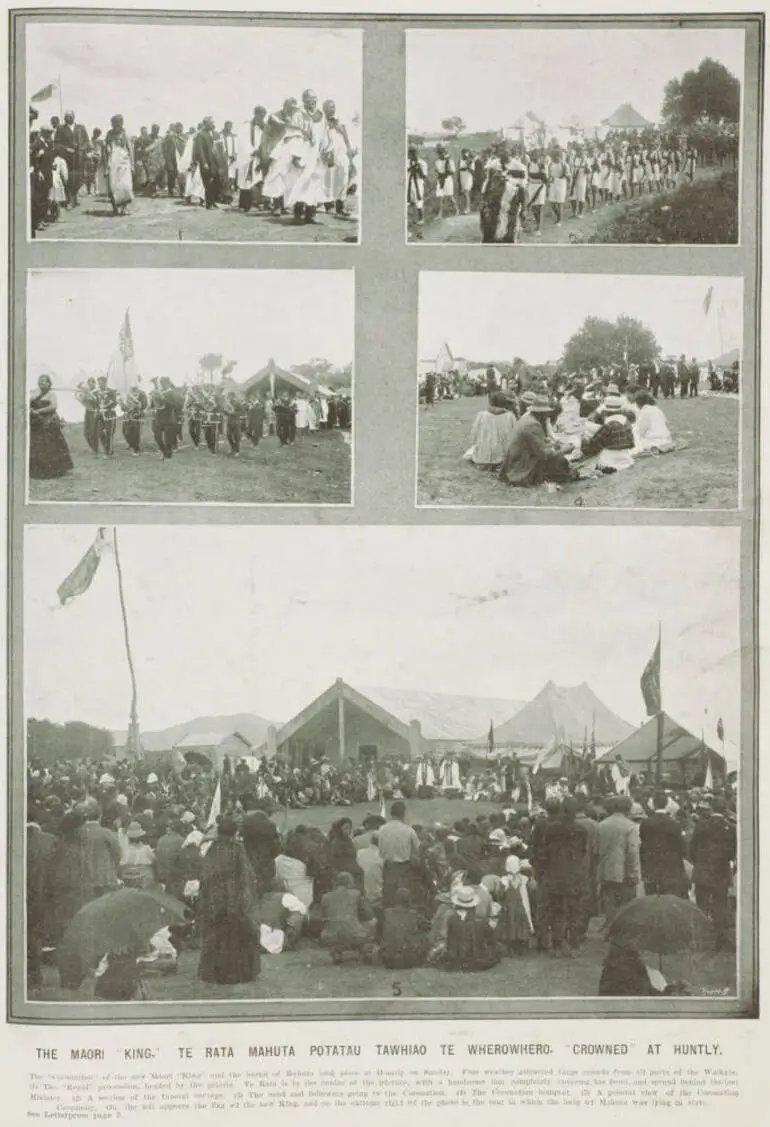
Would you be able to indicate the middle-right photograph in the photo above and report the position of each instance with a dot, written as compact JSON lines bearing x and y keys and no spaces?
{"x":601,"y":391}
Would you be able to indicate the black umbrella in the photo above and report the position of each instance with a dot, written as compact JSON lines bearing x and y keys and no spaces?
{"x":122,"y":920}
{"x":663,"y":924}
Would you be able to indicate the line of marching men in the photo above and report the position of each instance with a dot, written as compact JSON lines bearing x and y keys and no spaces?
{"x":211,"y":412}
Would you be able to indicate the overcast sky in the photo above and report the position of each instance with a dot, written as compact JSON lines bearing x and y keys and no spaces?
{"x":534,"y":315}
{"x":259,"y":619}
{"x":490,"y":78}
{"x":159,"y":73}
{"x":74,"y":317}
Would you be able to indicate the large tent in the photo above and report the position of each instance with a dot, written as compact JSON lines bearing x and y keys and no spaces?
{"x":626,"y":117}
{"x":576,"y":712}
{"x":683,"y":752}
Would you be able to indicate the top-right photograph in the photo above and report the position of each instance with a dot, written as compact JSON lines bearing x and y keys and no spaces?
{"x":580,"y":136}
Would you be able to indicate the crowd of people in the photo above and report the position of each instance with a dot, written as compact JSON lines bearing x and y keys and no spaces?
{"x":513,"y":184}
{"x":563,"y":426}
{"x":212,"y":413}
{"x":460,"y":895}
{"x":297,"y":160}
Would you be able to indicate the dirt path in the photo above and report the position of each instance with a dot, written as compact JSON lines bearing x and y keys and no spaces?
{"x":465,"y":228}
{"x":164,"y":219}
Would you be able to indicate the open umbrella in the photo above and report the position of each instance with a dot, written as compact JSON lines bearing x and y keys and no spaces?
{"x":125,"y":919}
{"x":197,"y":758}
{"x":663,"y":924}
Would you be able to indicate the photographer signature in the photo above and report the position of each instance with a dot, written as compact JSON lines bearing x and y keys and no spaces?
{"x":714,"y":991}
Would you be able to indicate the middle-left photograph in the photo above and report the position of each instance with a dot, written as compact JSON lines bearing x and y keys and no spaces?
{"x":190,"y":386}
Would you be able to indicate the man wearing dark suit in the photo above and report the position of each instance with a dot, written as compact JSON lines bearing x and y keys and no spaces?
{"x":71,"y":142}
{"x":256,"y":420}
{"x":203,"y":155}
{"x":662,"y":852}
{"x":164,"y":420}
{"x":712,"y":850}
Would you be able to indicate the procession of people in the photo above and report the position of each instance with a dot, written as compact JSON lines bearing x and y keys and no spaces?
{"x":559,"y":851}
{"x":296,"y":161}
{"x":211,"y":417}
{"x":514,"y":185}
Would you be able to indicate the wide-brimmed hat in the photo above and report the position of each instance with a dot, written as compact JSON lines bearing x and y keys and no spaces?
{"x":613,"y":389}
{"x":152,"y":778}
{"x":464,"y":897}
{"x":612,"y":403}
{"x":134,"y":832}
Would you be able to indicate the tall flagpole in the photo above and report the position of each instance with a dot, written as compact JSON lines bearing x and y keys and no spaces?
{"x":659,"y":747}
{"x":132,"y":742}
{"x":61,"y":102}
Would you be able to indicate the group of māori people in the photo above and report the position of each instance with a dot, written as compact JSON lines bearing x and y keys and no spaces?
{"x":297,"y":160}
{"x":212,"y":412}
{"x":524,"y":877}
{"x":511,"y":182}
{"x":568,"y":426}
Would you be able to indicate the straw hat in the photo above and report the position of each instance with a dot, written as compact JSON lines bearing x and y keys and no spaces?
{"x":464,"y":897}
{"x":134,"y":832}
{"x":541,"y":405}
{"x":612,"y":403}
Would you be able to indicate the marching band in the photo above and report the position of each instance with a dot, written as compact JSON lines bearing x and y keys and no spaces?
{"x":212,"y":414}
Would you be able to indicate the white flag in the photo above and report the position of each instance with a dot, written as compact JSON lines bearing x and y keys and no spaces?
{"x":216,"y":806}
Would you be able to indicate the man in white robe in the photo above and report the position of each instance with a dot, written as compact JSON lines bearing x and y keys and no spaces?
{"x":249,"y":172}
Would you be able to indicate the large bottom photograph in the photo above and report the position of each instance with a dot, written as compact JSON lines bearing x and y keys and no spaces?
{"x":316,"y":764}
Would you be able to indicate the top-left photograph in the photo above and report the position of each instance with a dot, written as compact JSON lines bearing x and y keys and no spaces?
{"x":207,"y":134}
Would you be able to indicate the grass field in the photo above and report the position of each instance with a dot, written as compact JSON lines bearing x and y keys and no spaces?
{"x":702,"y":476}
{"x":316,"y":470}
{"x":704,"y":212}
{"x":164,"y":219}
{"x":309,"y":973}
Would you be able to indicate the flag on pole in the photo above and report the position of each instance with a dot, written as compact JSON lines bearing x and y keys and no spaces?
{"x":529,"y":796}
{"x":121,"y":371}
{"x":216,"y":806}
{"x":620,"y":775}
{"x":383,"y":812}
{"x":491,"y":738}
{"x":708,"y":782}
{"x":650,"y":683}
{"x":45,"y":93}
{"x":721,"y":730}
{"x":81,"y":577}
{"x":708,"y":300}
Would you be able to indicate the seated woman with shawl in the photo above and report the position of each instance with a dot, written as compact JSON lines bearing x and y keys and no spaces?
{"x":349,"y":923}
{"x":612,"y":444}
{"x":491,"y":433}
{"x":228,"y":928}
{"x":404,"y":943}
{"x":651,"y":433}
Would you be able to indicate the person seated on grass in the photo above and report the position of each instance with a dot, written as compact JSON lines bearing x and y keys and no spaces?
{"x":491,"y":433}
{"x":532,"y":457}
{"x":651,"y":433}
{"x":612,"y":444}
{"x":404,"y":943}
{"x":470,"y":942}
{"x":348,"y":923}
{"x":625,"y":974}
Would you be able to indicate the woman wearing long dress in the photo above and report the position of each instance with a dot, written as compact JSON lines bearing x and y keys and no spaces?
{"x":119,"y":162}
{"x":229,"y":932}
{"x":338,"y":155}
{"x":49,"y":454}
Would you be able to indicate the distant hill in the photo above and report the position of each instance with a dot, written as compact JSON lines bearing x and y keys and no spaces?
{"x":727,"y":358}
{"x":575,"y":711}
{"x":254,"y":728}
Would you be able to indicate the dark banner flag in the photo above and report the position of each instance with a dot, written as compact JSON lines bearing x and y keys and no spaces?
{"x":650,"y":683}
{"x":720,"y":729}
{"x":491,"y":738}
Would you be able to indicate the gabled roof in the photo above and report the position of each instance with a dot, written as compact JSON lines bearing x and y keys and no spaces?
{"x":641,"y":746}
{"x":626,"y":117}
{"x":200,"y":739}
{"x":301,"y":383}
{"x":340,"y":690}
{"x":576,"y":711}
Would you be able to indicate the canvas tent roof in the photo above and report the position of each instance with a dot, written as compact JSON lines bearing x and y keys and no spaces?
{"x":574,"y":711}
{"x":443,"y":716}
{"x":626,"y":117}
{"x":640,"y":748}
